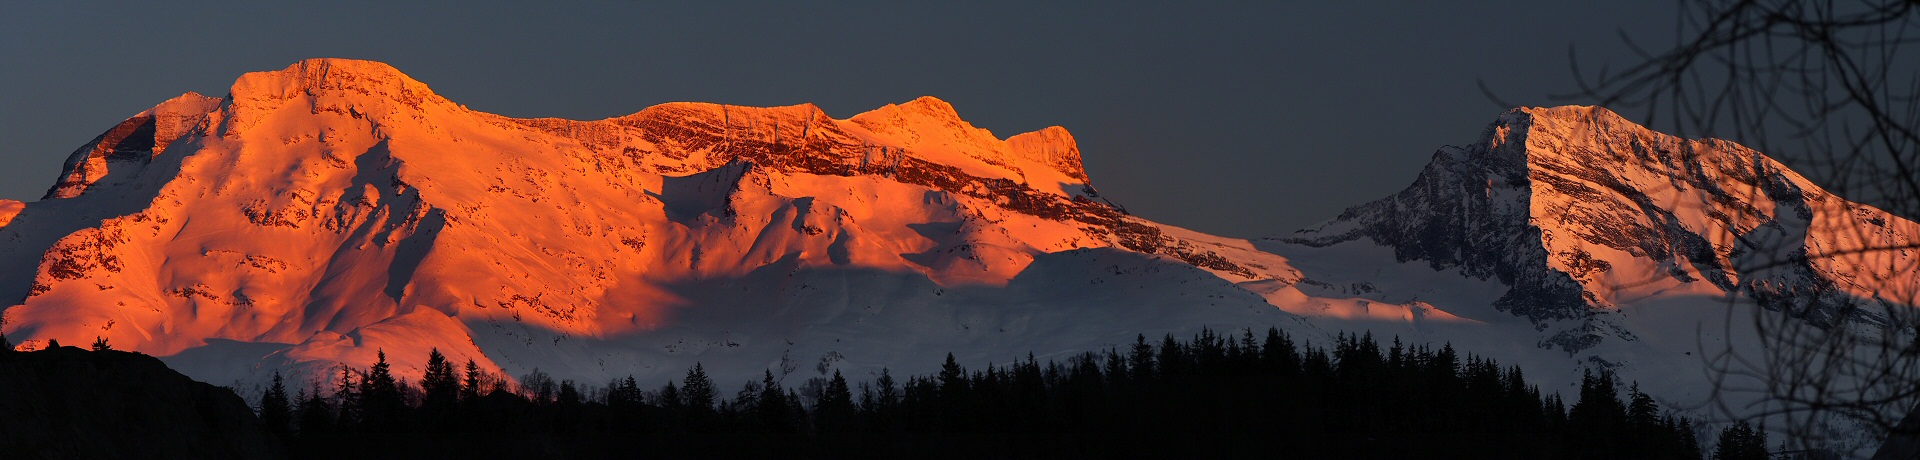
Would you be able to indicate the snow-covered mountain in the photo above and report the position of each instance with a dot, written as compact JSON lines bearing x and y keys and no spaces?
{"x":322,"y":212}
{"x":1582,"y":213}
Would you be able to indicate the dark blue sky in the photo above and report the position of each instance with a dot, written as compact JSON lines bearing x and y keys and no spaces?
{"x":1242,"y":119}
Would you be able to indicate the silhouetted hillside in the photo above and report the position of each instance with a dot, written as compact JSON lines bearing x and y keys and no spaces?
{"x":70,"y":403}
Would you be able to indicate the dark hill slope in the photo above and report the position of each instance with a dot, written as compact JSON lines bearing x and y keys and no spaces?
{"x":70,"y":403}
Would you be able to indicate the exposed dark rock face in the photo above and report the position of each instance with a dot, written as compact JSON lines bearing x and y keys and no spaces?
{"x":1469,"y":210}
{"x":69,"y":403}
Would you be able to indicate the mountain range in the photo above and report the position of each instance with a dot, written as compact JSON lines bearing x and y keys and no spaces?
{"x":326,"y":213}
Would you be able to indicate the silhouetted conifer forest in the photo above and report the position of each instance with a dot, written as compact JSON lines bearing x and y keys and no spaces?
{"x":1208,"y":395}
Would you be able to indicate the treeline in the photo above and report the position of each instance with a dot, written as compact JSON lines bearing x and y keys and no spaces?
{"x":1207,"y":395}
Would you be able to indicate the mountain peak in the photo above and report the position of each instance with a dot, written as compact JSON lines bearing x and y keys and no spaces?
{"x":1052,"y":146}
{"x":932,"y":106}
{"x":328,"y":73}
{"x":927,"y":108}
{"x":1571,"y":112}
{"x":1582,"y":121}
{"x":362,"y":89}
{"x":186,"y":104}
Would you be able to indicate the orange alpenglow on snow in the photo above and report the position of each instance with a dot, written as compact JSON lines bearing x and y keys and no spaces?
{"x":324,"y":212}
{"x":336,"y":207}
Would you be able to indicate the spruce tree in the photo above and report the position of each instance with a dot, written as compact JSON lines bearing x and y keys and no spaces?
{"x":624,"y":393}
{"x":670,"y":397}
{"x":1644,"y":424}
{"x":835,"y":406}
{"x":315,"y":413}
{"x":380,"y":399}
{"x":275,"y":410}
{"x":886,"y":393}
{"x":1172,"y":361}
{"x":1598,"y":421}
{"x":953,"y":379}
{"x":1741,"y":442}
{"x":954,"y":392}
{"x":347,"y":402}
{"x":437,"y":383}
{"x":697,"y":390}
{"x":470,"y":388}
{"x":1140,"y":359}
{"x":771,"y":405}
{"x":1689,"y":443}
{"x":1278,"y":354}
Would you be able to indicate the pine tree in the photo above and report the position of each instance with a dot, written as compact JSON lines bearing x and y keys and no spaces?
{"x":745,"y":402}
{"x":275,"y":410}
{"x":887,"y":394}
{"x":771,"y":405}
{"x":1689,"y":443}
{"x":1116,"y":368}
{"x":1741,"y":442}
{"x":380,"y":399}
{"x":1598,"y":421}
{"x":697,"y":390}
{"x":316,"y":414}
{"x":470,"y":389}
{"x":1643,"y":423}
{"x":1641,"y":410}
{"x":835,"y":406}
{"x":955,"y":393}
{"x":1278,"y":354}
{"x":624,"y":393}
{"x":952,"y":377}
{"x":440,"y":387}
{"x":670,"y":397}
{"x":1172,"y":360}
{"x":347,"y":401}
{"x":1140,"y":359}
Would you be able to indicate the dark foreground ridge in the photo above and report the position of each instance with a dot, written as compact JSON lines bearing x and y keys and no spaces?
{"x":70,"y":403}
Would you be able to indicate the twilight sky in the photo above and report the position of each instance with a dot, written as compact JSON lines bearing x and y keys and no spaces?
{"x":1241,"y":119}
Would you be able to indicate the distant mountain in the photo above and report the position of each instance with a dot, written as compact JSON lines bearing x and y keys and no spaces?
{"x":323,"y":212}
{"x":1580,"y":212}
